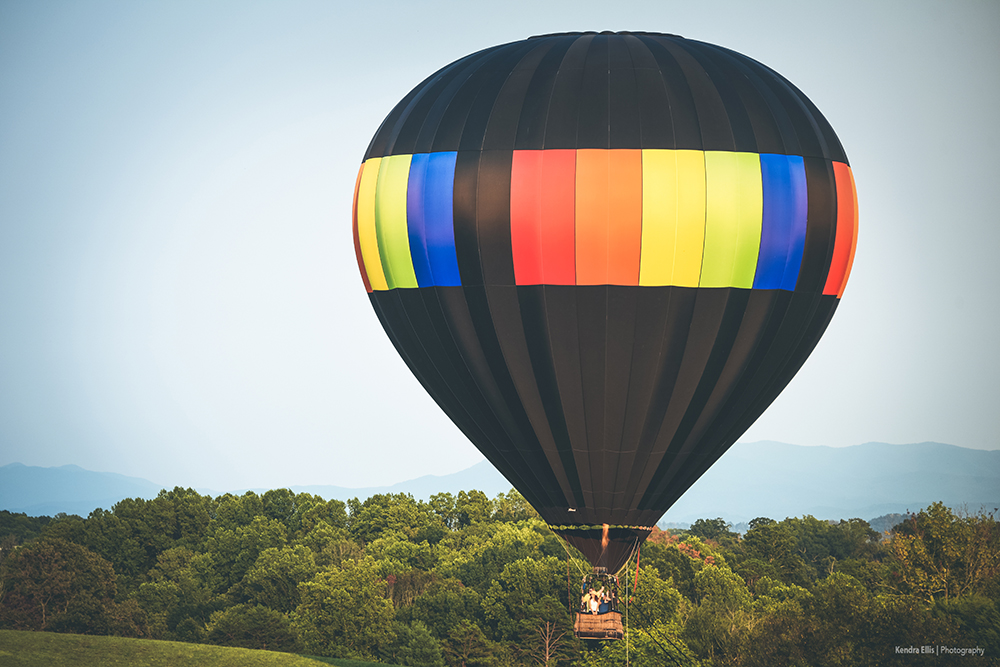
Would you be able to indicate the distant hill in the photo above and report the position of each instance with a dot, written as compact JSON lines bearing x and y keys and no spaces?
{"x":753,"y":479}
{"x":71,"y":489}
{"x":482,"y":476}
{"x":778,"y":480}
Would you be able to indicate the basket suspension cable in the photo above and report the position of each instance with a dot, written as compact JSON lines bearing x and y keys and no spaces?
{"x":569,"y":590}
{"x":665,"y":637}
{"x":627,"y":605}
{"x":638,"y":553}
{"x":571,"y":557}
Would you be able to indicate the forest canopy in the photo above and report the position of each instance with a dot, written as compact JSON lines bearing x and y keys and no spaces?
{"x":473,"y":581}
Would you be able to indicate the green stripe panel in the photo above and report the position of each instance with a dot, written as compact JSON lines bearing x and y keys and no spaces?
{"x":390,"y":221}
{"x":734,"y":203}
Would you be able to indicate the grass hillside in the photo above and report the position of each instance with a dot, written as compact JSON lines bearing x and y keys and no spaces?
{"x":48,"y":649}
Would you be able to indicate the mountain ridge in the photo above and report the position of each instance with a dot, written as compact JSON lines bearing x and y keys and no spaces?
{"x":752,"y":479}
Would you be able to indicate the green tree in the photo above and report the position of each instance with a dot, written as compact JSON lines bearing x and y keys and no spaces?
{"x":53,"y":584}
{"x":472,"y":507}
{"x":976,"y":619}
{"x":330,"y":545}
{"x":716,"y":627}
{"x":717,"y":530}
{"x":273,"y":580}
{"x":181,"y":593}
{"x":235,"y":550}
{"x":545,"y":633}
{"x":654,"y":601}
{"x":344,"y":612}
{"x":487,"y":560}
{"x":658,"y":645}
{"x":393,"y":512}
{"x":137,"y":531}
{"x":670,"y":565}
{"x":443,"y":506}
{"x":526,"y":590}
{"x":17,"y":528}
{"x":233,"y":512}
{"x":255,"y":626}
{"x":467,"y":646}
{"x":511,"y":507}
{"x":774,"y":543}
{"x":414,"y":646}
{"x":311,"y":510}
{"x":938,"y":554}
{"x":406,"y":553}
{"x":444,"y":605}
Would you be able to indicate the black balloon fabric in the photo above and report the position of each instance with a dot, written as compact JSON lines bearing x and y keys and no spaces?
{"x":604,"y":255}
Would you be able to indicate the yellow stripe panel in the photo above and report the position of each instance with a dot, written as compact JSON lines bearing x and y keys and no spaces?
{"x":734,"y":203}
{"x":673,"y":217}
{"x":366,"y":224}
{"x":390,"y":222}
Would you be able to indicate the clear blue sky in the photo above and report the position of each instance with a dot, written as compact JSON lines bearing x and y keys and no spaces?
{"x":179,"y":298}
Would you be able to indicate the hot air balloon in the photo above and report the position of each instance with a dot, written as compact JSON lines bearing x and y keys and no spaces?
{"x":604,"y":255}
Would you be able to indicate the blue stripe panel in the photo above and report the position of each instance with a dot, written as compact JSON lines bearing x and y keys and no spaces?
{"x":416,"y":223}
{"x":783,"y":223}
{"x":430,"y":191}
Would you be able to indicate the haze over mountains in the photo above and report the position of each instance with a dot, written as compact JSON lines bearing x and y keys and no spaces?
{"x":753,"y":479}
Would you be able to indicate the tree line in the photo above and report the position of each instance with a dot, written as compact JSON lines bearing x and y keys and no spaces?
{"x":477,"y":582}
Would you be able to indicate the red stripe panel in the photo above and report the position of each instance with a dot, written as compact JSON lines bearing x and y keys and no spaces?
{"x":542,"y":200}
{"x":357,"y":241}
{"x":854,"y":241}
{"x":847,"y":227}
{"x":609,"y":216}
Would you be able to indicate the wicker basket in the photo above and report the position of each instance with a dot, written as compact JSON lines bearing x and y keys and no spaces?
{"x":599,"y":626}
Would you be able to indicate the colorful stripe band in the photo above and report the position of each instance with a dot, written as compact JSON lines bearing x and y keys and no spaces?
{"x":648,"y":217}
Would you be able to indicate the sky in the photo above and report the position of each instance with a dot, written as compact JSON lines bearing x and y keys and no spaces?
{"x":179,"y":295}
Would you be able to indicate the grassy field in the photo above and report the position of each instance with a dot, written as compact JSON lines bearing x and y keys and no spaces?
{"x":49,"y":649}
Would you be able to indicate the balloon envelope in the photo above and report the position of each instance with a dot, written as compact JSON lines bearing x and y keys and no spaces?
{"x":604,"y":255}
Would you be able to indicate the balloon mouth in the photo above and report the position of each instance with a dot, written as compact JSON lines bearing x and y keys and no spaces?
{"x":603,"y":545}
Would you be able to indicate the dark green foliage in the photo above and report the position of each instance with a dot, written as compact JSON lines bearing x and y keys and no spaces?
{"x":935,"y":554}
{"x":469,"y":581}
{"x":671,"y":565}
{"x":527,"y":590}
{"x":414,"y":646}
{"x":344,"y":612}
{"x":248,"y":626}
{"x":976,"y":619}
{"x":56,"y":585}
{"x":274,"y":578}
{"x":180,"y":594}
{"x":512,"y":507}
{"x":717,"y":530}
{"x":467,"y":646}
{"x":16,"y":528}
{"x":398,"y":513}
{"x":443,"y":606}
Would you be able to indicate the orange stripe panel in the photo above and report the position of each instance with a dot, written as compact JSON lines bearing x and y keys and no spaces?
{"x":846,"y":226}
{"x":608,"y":216}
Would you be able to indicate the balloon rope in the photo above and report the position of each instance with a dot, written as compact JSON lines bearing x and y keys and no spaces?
{"x":638,"y":553}
{"x":569,"y":590}
{"x":571,"y":557}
